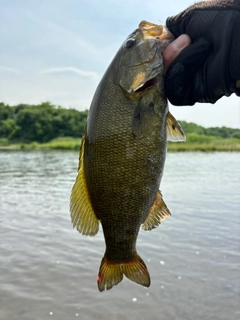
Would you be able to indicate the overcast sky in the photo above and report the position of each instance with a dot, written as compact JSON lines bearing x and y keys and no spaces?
{"x":58,"y":50}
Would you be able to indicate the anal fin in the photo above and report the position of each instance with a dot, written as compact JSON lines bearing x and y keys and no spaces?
{"x":158,"y":212}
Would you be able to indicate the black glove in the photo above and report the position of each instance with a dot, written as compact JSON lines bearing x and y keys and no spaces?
{"x":209,"y":68}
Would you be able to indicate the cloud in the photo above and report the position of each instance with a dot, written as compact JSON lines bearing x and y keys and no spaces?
{"x":89,"y":74}
{"x":8,"y":69}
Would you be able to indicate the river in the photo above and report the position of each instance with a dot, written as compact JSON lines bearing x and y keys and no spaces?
{"x":49,"y":271}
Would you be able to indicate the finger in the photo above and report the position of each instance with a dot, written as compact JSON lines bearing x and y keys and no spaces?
{"x":174,"y":48}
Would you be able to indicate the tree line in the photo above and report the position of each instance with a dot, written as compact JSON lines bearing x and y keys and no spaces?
{"x":40,"y":123}
{"x":220,"y":132}
{"x":44,"y":122}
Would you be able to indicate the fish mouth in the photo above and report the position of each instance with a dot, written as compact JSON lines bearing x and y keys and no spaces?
{"x":154,"y":31}
{"x":134,"y":94}
{"x":141,"y":90}
{"x":147,"y":85}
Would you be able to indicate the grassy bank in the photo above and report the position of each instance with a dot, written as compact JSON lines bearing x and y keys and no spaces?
{"x":194,"y":142}
{"x":197,"y":142}
{"x":66,"y":143}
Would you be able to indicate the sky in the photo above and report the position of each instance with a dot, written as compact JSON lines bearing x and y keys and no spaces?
{"x":58,"y":51}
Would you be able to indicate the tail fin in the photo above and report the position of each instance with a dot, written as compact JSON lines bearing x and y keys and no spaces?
{"x":111,"y":273}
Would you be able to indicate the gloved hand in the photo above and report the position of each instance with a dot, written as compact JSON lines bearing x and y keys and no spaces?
{"x":209,"y":68}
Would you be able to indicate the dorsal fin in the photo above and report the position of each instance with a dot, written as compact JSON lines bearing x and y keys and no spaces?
{"x":82,"y":213}
{"x":158,"y":212}
{"x":174,"y":130}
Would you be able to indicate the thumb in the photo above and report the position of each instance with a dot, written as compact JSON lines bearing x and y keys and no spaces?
{"x":174,"y":48}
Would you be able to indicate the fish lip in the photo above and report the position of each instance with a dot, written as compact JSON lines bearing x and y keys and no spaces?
{"x":166,"y":34}
{"x":165,"y":38}
{"x":153,"y":31}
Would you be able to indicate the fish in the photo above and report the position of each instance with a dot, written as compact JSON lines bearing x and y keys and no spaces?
{"x":122,"y":155}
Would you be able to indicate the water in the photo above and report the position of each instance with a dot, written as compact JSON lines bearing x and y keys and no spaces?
{"x":49,"y":271}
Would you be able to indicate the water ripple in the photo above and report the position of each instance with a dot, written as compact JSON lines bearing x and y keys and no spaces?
{"x":48,"y":270}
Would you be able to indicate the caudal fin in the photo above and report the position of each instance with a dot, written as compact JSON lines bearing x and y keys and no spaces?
{"x":111,"y":273}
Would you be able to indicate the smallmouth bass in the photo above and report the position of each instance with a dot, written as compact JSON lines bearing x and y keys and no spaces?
{"x":122,"y":155}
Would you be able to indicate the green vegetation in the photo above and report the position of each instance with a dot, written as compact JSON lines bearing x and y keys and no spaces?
{"x":197,"y":142}
{"x":220,"y":132}
{"x":40,"y":123}
{"x":207,"y":139}
{"x":65,"y":143}
{"x":46,"y":126}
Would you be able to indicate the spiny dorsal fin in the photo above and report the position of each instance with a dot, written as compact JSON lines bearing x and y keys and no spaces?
{"x":158,"y":212}
{"x":175,"y":132}
{"x":82,"y":213}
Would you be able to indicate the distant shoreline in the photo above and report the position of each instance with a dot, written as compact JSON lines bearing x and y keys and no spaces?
{"x":73,"y":144}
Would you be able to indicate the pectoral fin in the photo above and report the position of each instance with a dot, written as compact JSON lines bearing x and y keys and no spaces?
{"x":143,"y":116}
{"x":82,"y":213}
{"x":157,"y":214}
{"x":174,"y":130}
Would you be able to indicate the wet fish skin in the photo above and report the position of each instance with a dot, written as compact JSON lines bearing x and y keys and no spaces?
{"x":123,"y":153}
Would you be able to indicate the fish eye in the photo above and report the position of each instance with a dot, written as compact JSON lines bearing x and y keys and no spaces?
{"x":130,"y":43}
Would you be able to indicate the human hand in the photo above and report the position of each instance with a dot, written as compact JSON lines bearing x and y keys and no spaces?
{"x":174,"y":48}
{"x":209,"y":67}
